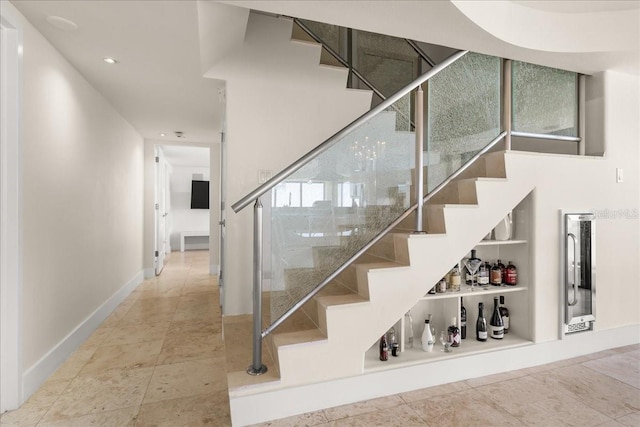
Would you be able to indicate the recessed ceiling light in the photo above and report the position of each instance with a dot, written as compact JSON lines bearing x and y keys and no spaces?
{"x":163,"y":134}
{"x":110,"y":60}
{"x":62,"y":23}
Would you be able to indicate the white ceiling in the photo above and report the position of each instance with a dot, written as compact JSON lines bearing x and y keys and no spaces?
{"x":157,"y":84}
{"x":186,"y":156}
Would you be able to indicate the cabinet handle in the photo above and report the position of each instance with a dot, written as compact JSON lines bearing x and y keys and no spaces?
{"x":575,"y":270}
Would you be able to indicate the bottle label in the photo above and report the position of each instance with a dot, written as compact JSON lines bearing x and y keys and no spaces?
{"x":505,"y":320}
{"x":482,"y":335}
{"x":497,"y":332}
{"x":512,"y":277}
{"x":496,"y":277}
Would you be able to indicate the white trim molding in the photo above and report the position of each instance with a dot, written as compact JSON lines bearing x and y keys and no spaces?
{"x":10,"y":211}
{"x":43,"y":368}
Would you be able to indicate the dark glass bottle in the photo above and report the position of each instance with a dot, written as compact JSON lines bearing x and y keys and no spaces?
{"x":454,"y":333}
{"x":481,"y":324}
{"x":511,"y":277}
{"x":504,"y":312}
{"x":503,"y":271}
{"x":496,"y":275}
{"x":496,"y":327}
{"x":463,"y":321}
{"x":384,"y":349}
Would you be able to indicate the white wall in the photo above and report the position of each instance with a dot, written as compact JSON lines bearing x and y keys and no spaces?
{"x":183,"y":218}
{"x":82,"y":193}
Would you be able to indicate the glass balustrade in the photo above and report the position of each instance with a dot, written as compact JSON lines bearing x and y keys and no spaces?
{"x":323,"y":213}
{"x":463,"y":114}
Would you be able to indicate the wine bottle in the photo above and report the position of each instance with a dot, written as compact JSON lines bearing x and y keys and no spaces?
{"x":496,"y":327}
{"x":504,"y":312}
{"x":454,"y":333}
{"x":496,"y":275}
{"x":455,"y":278}
{"x":463,"y":321}
{"x":503,"y":271}
{"x":469,"y":276}
{"x":427,"y":337}
{"x":408,"y":330}
{"x":384,"y":348}
{"x":483,"y":274}
{"x":511,"y":278}
{"x":481,"y":324}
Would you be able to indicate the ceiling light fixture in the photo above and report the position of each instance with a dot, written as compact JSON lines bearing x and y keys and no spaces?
{"x":163,"y":134}
{"x":110,"y":60}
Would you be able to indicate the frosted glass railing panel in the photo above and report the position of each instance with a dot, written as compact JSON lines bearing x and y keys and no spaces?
{"x":545,"y":100}
{"x":323,"y":213}
{"x":463,"y":114}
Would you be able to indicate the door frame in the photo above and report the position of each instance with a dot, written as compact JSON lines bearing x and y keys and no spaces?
{"x":10,"y":212}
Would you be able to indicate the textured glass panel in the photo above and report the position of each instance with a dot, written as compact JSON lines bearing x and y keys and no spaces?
{"x":545,"y":100}
{"x":326,"y":211}
{"x":331,"y":35}
{"x":463,"y":114}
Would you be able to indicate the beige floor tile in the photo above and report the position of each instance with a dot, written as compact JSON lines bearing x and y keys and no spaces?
{"x":186,"y":379}
{"x":600,"y":392}
{"x":630,"y":420}
{"x":205,"y":409}
{"x":118,"y":418}
{"x":96,"y":339}
{"x":623,"y":367}
{"x":551,"y":412}
{"x":89,"y":394}
{"x":26,"y":415}
{"x":48,"y":393}
{"x":303,"y":420}
{"x":180,"y":348}
{"x":161,"y":290}
{"x":363,"y":407}
{"x":151,"y":310}
{"x":70,"y":368}
{"x":124,"y":356}
{"x":204,"y":325}
{"x":426,"y":393}
{"x":612,"y":423}
{"x":143,"y":332}
{"x":463,"y":408}
{"x":402,"y":415}
{"x":521,"y":392}
{"x":490,"y":379}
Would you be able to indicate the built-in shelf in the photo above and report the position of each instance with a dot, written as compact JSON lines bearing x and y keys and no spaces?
{"x":415,"y":355}
{"x":465,"y":290}
{"x":501,"y":242}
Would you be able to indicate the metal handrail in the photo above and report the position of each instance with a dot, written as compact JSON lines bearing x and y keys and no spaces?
{"x":546,"y":136}
{"x":380,"y":235}
{"x":293,"y":167}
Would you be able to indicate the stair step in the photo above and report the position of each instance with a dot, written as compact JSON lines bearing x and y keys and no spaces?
{"x":325,"y":303}
{"x":300,"y":337}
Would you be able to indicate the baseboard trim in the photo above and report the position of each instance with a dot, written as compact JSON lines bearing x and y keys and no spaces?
{"x":214,"y":269}
{"x":149,"y":273}
{"x":37,"y":374}
{"x":249,"y":405}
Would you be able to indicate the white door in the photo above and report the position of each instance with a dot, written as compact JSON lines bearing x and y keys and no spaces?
{"x":161,"y":209}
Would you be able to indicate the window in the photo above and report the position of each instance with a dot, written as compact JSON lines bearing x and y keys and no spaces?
{"x":298,"y":194}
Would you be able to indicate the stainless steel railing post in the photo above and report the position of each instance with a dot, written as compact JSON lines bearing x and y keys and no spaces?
{"x":257,"y":368}
{"x":419,"y":171}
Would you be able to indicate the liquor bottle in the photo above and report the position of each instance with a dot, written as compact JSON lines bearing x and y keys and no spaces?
{"x":454,"y":333}
{"x":463,"y":321}
{"x":408,"y":330}
{"x":511,"y":278}
{"x":391,"y":337}
{"x":504,"y":312}
{"x":468,"y":274}
{"x":455,"y":279}
{"x":384,"y":349}
{"x":496,"y":275}
{"x":481,"y":324}
{"x":496,"y":327}
{"x":427,"y":337}
{"x":483,"y":274}
{"x":503,"y":271}
{"x":441,"y":286}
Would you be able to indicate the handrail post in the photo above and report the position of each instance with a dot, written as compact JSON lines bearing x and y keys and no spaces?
{"x":257,"y":368}
{"x":507,"y":119}
{"x":419,"y":171}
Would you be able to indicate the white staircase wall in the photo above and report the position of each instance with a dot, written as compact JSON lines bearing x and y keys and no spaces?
{"x":280,"y":104}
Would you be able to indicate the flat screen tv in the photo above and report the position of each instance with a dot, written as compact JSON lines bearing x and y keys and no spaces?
{"x":199,"y":194}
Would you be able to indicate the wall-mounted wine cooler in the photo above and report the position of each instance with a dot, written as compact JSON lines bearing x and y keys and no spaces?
{"x":579,"y":285}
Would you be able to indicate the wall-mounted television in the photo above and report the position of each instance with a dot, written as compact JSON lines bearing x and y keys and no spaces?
{"x":199,"y":194}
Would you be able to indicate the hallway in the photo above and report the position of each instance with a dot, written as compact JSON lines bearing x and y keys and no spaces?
{"x":159,"y":360}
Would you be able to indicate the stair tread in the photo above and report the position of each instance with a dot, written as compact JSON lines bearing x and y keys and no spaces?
{"x":483,"y":178}
{"x":453,"y":205}
{"x":298,"y":337}
{"x":330,"y":300}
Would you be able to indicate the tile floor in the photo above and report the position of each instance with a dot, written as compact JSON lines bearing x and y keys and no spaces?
{"x":159,"y":360}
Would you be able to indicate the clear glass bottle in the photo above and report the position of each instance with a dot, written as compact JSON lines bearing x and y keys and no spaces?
{"x":408,"y":330}
{"x":455,"y":279}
